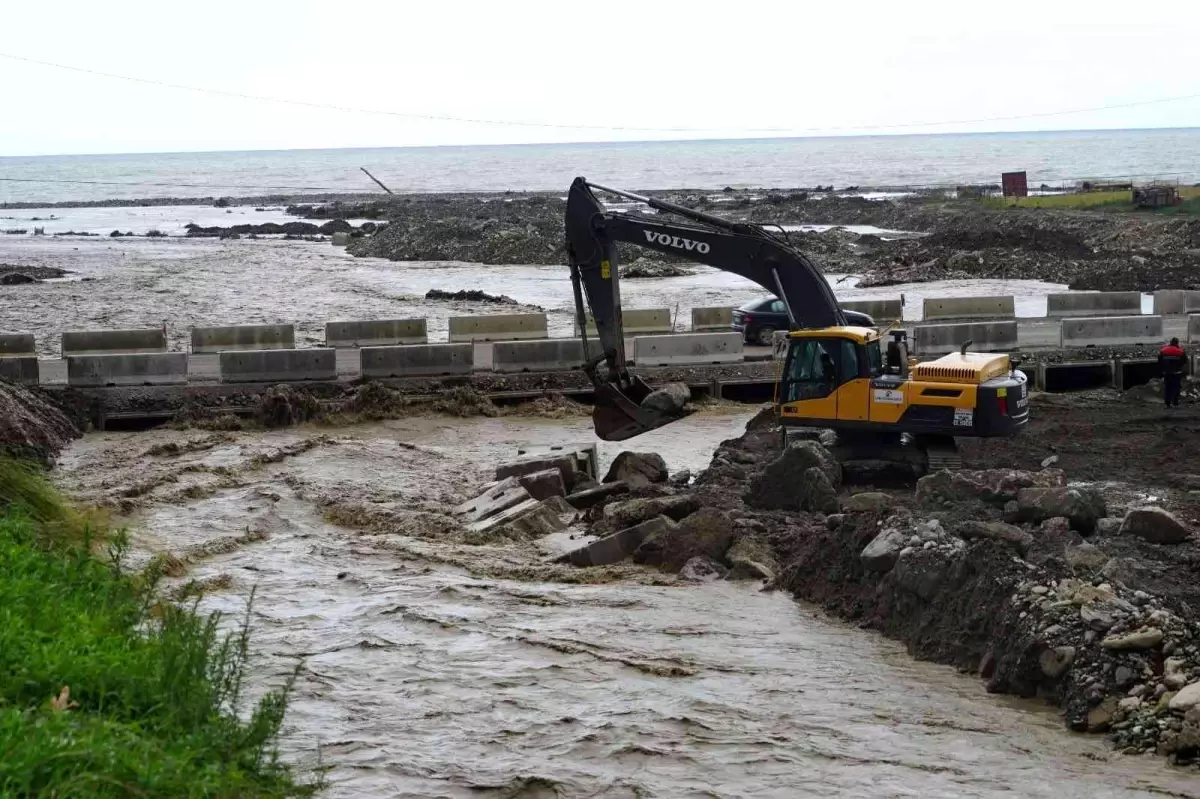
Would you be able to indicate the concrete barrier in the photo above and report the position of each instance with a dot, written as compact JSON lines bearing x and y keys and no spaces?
{"x":243,"y":337}
{"x":20,"y":369}
{"x":417,"y":359}
{"x":711,"y":319}
{"x":108,"y":342}
{"x":339,"y":239}
{"x":1094,"y":303}
{"x":969,"y":308}
{"x":500,"y":327}
{"x":1193,"y":329}
{"x":1176,"y":302}
{"x":984,"y":337}
{"x":270,"y":366}
{"x":688,"y":348}
{"x":381,"y":333}
{"x":547,"y":355}
{"x":882,"y":311}
{"x":1111,"y":331}
{"x":141,"y":369}
{"x":17,"y":344}
{"x":638,"y":321}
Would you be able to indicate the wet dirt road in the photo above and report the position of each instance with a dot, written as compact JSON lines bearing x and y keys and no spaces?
{"x":436,"y":668}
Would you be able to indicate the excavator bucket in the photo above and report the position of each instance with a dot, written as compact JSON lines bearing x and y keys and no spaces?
{"x":629,"y":408}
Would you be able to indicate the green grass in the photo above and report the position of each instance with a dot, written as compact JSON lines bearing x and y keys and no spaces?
{"x":106,"y":692}
{"x":1089,"y":199}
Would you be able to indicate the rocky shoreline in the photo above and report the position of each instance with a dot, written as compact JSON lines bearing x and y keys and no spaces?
{"x":1078,"y":593}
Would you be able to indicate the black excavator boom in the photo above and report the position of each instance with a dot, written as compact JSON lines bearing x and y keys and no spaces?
{"x":621,"y":410}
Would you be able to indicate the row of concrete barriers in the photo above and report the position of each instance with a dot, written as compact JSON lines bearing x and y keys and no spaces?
{"x":402,"y":360}
{"x":1074,"y":333}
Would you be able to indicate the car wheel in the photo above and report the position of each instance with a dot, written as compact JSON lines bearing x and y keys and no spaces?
{"x":766,"y":336}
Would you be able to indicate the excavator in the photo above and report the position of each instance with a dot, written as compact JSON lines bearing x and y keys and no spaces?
{"x":880,"y":403}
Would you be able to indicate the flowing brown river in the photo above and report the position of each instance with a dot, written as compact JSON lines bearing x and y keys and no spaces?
{"x":437,"y":668}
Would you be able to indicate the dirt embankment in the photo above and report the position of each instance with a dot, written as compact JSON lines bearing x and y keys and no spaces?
{"x":31,"y":425}
{"x":1085,"y":594}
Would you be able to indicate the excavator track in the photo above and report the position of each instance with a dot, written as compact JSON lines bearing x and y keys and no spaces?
{"x":942,"y":455}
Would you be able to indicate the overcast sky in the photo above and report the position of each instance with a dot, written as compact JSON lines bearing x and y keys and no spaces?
{"x":717,"y":69}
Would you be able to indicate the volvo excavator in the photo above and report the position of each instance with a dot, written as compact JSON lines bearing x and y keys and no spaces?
{"x":834,"y":376}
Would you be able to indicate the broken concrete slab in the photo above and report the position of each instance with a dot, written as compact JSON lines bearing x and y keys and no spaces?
{"x":505,"y":516}
{"x":544,"y":484}
{"x":565,"y":464}
{"x":539,"y":520}
{"x":633,"y":511}
{"x":618,"y":546}
{"x":496,"y":498}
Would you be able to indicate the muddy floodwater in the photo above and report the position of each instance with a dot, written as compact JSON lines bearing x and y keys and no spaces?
{"x":434,"y":667}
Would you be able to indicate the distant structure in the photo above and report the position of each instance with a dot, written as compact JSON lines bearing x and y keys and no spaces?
{"x":1014,"y":184}
{"x":1155,"y":196}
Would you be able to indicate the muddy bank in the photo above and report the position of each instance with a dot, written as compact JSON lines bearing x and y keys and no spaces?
{"x":32,"y":425}
{"x":276,"y":229}
{"x":1081,"y":594}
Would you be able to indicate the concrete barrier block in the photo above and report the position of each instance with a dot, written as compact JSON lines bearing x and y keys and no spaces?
{"x":381,"y":333}
{"x":1094,"y":303}
{"x":1111,"y":331}
{"x":688,"y":348}
{"x":23,"y":370}
{"x":16,"y":345}
{"x":103,"y":342}
{"x":882,"y":311}
{"x":278,"y":366}
{"x":339,"y":239}
{"x":498,"y":327}
{"x":243,"y":337}
{"x":945,"y":338}
{"x":1193,"y":329}
{"x":637,"y":321}
{"x":711,"y":318}
{"x":547,"y":355}
{"x":969,"y":308}
{"x":417,"y":359}
{"x":1176,"y":302}
{"x":139,"y":369}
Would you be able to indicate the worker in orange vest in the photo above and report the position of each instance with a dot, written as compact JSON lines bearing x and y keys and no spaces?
{"x":1172,"y":363}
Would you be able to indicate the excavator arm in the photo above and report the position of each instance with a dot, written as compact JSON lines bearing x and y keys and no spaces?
{"x":743,"y":249}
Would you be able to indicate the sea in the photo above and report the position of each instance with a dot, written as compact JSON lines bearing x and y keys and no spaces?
{"x":845,"y":162}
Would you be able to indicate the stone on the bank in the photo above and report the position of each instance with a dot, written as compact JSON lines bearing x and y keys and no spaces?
{"x":1055,"y":662}
{"x":1082,"y":506}
{"x":666,"y":401}
{"x":867,"y":502}
{"x":1140,"y":639}
{"x":995,"y":486}
{"x":1100,"y":717}
{"x":544,"y":484}
{"x":588,"y":497}
{"x":1186,"y":699}
{"x":750,"y":558}
{"x":884,"y":550}
{"x":997,"y":531}
{"x":681,"y":477}
{"x":1084,"y":557}
{"x":637,"y":469}
{"x":634,"y":511}
{"x":788,"y":484}
{"x":620,"y":545}
{"x":1174,"y":677}
{"x":497,"y":498}
{"x":702,"y":570}
{"x":1189,"y":732}
{"x":1107,"y":526}
{"x":708,"y":533}
{"x":1155,"y":525}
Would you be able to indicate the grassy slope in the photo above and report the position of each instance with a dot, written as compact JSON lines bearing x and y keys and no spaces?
{"x":104,"y":691}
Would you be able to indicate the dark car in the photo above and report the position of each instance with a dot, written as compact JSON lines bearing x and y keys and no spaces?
{"x":758,"y":320}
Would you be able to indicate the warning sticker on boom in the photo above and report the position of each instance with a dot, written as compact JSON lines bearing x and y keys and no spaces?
{"x":964,"y":417}
{"x":889,"y":396}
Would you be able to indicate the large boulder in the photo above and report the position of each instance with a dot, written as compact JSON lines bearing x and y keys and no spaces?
{"x":637,"y":469}
{"x":805,"y":477}
{"x":1085,"y":557}
{"x":750,"y":558}
{"x":1082,"y":506}
{"x":997,"y":531}
{"x":667,"y":401}
{"x":994,"y":486}
{"x":635,"y":511}
{"x":706,"y":533}
{"x":884,"y":550}
{"x":867,"y":502}
{"x":1155,"y":525}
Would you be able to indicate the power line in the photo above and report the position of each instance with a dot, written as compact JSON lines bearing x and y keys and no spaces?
{"x":559,"y":126}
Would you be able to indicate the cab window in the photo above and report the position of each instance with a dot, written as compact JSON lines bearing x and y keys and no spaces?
{"x":874,"y":359}
{"x":818,"y":366}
